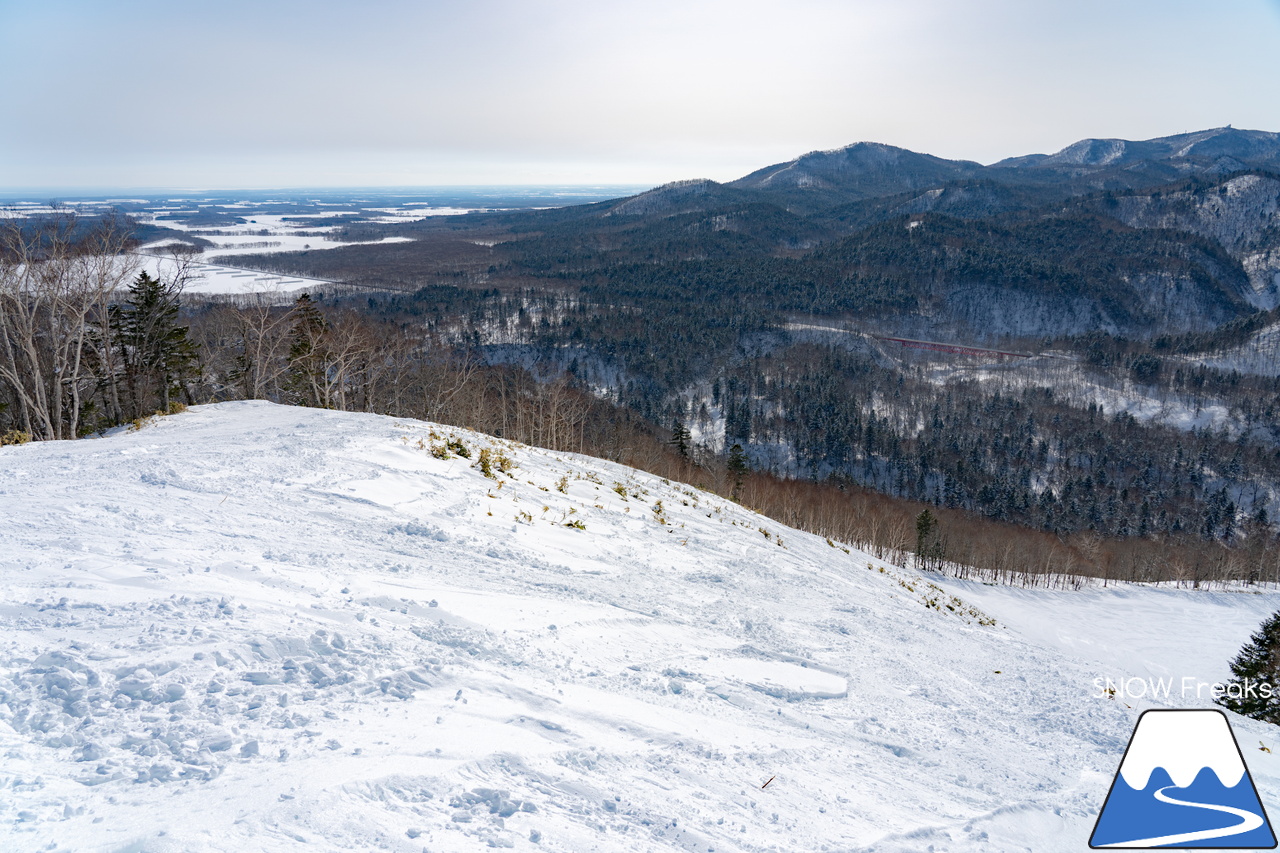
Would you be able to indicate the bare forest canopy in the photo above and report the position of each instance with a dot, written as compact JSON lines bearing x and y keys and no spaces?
{"x":1135,"y":434}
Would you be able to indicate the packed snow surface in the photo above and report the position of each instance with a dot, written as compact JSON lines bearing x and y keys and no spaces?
{"x":254,"y":627}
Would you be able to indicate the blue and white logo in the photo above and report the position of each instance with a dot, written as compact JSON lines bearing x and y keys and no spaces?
{"x":1183,"y":783}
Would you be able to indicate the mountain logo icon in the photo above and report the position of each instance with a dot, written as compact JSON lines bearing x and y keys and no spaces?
{"x":1183,"y":783}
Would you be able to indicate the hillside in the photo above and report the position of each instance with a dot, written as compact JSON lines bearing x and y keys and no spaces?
{"x":251,"y":626}
{"x":858,"y":171}
{"x":1132,"y":238}
{"x":1238,"y":213}
{"x":1111,"y":163}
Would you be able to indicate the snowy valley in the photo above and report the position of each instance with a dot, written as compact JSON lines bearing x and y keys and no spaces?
{"x":257,"y":627}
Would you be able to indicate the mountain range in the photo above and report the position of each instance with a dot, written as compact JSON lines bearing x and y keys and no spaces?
{"x":1162,"y":236}
{"x":821,"y":180}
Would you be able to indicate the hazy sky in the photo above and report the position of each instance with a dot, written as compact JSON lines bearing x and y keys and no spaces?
{"x":118,"y":93}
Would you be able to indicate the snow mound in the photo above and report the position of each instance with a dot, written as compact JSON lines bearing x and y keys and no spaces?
{"x":251,"y":626}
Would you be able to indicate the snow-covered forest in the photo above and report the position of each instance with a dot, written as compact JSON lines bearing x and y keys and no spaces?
{"x":1091,"y":456}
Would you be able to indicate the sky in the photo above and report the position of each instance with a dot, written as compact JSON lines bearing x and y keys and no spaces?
{"x":277,"y":93}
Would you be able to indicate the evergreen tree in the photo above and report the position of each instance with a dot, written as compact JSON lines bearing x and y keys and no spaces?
{"x":157,"y":356}
{"x":1257,"y":664}
{"x":738,"y":468}
{"x":307,"y":354}
{"x":680,"y":437}
{"x":929,"y":547}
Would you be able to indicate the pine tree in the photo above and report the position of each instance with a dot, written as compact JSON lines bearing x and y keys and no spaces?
{"x":156,"y":354}
{"x":680,"y":437}
{"x":738,"y":468}
{"x":307,"y":354}
{"x":929,"y":546}
{"x":1254,"y":690}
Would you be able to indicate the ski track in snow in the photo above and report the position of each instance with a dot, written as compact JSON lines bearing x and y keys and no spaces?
{"x":254,"y":627}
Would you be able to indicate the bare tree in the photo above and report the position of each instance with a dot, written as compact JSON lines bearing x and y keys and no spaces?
{"x":347,"y":354}
{"x":57,"y":278}
{"x":446,"y":377}
{"x":262,"y":349}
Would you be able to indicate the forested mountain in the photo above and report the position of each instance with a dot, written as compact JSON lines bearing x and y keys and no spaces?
{"x":1131,"y":287}
{"x":1237,"y":213}
{"x":974,"y":259}
{"x":1223,"y":149}
{"x":821,"y":179}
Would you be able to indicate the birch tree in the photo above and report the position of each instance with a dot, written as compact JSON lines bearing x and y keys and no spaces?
{"x":57,"y":280}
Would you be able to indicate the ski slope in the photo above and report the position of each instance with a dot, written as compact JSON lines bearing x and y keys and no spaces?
{"x":255,"y":627}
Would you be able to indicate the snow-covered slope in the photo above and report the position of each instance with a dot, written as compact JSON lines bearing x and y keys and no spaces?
{"x":253,"y":627}
{"x":1260,"y":354}
{"x":1240,"y":214}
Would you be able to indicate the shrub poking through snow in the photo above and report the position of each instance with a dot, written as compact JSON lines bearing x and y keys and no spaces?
{"x":175,"y":408}
{"x":14,"y":436}
{"x":485,"y":463}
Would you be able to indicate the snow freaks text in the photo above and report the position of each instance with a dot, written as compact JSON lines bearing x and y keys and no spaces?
{"x":1186,"y":687}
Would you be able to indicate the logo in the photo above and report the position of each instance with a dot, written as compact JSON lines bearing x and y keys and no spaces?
{"x":1183,"y":783}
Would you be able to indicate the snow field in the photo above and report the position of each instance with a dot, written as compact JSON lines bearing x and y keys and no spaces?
{"x":251,"y":626}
